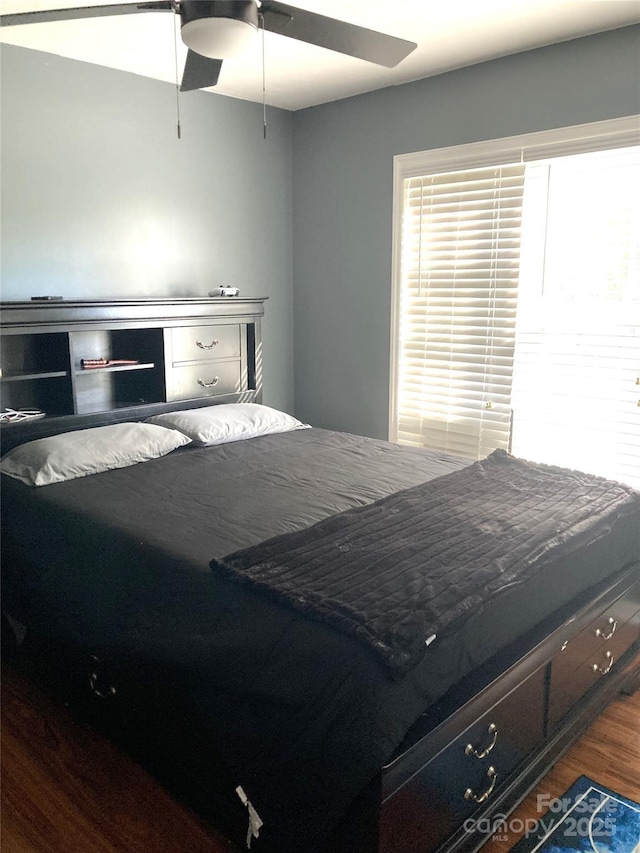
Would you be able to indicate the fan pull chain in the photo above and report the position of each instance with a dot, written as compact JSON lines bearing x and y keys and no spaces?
{"x":264,"y":86}
{"x":175,"y":53}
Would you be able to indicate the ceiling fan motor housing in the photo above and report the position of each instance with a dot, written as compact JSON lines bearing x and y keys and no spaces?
{"x":218,"y":28}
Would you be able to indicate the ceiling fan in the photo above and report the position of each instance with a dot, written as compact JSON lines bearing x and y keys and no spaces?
{"x":215,"y":30}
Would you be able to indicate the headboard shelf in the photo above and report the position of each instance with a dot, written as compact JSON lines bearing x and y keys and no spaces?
{"x":44,"y":345}
{"x":134,"y":313}
{"x":19,"y":376}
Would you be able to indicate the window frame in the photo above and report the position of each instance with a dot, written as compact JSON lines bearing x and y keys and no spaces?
{"x":594,"y":136}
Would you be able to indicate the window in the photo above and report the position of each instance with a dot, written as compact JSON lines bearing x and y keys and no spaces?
{"x":516,"y":316}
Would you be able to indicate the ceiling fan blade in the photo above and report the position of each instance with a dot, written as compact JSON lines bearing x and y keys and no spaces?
{"x":85,"y":12}
{"x":200,"y":72}
{"x":335,"y":35}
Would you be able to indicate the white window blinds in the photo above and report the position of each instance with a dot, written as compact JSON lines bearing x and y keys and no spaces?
{"x":460,"y":261}
{"x":516,"y":311}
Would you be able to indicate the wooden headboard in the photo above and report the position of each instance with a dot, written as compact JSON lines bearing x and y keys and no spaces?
{"x":179,"y":354}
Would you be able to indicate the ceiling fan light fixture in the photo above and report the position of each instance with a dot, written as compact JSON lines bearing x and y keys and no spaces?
{"x":219,"y":30}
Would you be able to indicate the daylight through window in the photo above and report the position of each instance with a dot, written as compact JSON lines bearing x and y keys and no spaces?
{"x":517,"y":306}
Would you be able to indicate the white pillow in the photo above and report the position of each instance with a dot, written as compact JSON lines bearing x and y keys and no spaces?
{"x":228,"y":422}
{"x":88,"y":451}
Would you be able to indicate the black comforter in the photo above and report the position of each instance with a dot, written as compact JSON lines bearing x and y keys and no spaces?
{"x":399,"y":571}
{"x":304,"y":716}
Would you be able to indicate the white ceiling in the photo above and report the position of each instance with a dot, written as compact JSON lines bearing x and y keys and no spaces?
{"x":450,"y":34}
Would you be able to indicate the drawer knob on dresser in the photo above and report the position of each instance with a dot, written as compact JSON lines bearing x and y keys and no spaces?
{"x":471,"y":750}
{"x":207,"y":346}
{"x":612,"y":629}
{"x":213,"y":382}
{"x":605,"y":670}
{"x":481,"y":798}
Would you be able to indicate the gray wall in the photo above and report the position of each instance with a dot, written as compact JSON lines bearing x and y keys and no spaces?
{"x":100,"y":199}
{"x":342,"y":209}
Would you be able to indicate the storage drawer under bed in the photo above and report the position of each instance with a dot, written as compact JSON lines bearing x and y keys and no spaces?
{"x":592,"y":653}
{"x":467,"y":773}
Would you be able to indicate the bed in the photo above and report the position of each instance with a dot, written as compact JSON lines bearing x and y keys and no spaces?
{"x":142,"y":588}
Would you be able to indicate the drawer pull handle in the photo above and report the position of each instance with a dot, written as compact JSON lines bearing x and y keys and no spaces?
{"x":213,"y":382}
{"x":613,"y":624}
{"x":604,"y":671}
{"x":470,"y":749}
{"x":481,"y":798}
{"x":99,"y":686}
{"x":207,"y":346}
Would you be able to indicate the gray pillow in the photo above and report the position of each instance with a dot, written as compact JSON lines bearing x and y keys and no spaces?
{"x":228,"y":422}
{"x":88,"y":451}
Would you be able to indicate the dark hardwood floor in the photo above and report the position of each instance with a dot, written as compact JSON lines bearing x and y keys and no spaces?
{"x":66,"y":789}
